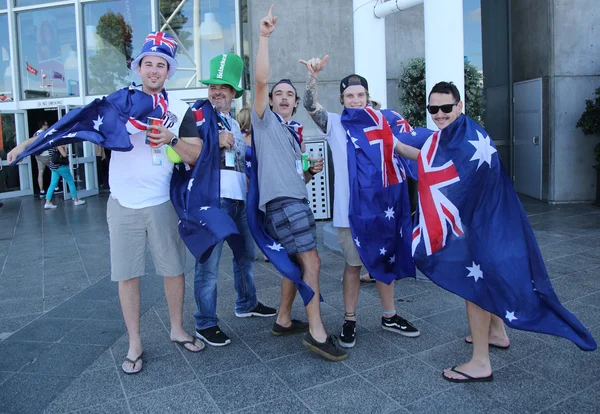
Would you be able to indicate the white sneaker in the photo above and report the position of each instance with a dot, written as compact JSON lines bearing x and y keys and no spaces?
{"x":79,"y":202}
{"x":49,"y":206}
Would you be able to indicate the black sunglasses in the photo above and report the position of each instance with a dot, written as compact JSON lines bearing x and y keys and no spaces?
{"x":434,"y":109}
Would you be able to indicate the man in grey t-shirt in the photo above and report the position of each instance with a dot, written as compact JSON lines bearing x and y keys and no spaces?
{"x":283,"y":195}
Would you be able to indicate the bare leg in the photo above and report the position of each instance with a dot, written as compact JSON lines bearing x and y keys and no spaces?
{"x":386,"y":295}
{"x":351,"y":289}
{"x":174,"y":292}
{"x":479,"y":366}
{"x":129,"y":295}
{"x":288,"y":293}
{"x":497,"y":335}
{"x":311,"y":266}
{"x":41,"y":178}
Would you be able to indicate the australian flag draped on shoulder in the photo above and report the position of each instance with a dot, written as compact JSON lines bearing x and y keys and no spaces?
{"x":106,"y":122}
{"x":256,"y":221}
{"x":379,"y":211}
{"x":195,"y":193}
{"x":473,"y":238}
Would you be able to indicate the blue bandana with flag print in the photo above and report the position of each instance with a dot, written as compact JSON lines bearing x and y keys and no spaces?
{"x":472,"y":236}
{"x":294,"y":127}
{"x":194,"y":192}
{"x":379,"y":212}
{"x":256,"y":221}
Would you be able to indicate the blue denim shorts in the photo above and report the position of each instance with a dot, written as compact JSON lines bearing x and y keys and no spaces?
{"x":291,"y":222}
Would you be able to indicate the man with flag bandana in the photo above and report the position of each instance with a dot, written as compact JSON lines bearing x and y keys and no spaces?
{"x":284,"y":198}
{"x":354,"y":94}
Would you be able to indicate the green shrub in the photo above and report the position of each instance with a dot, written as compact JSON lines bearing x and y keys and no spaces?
{"x":589,"y":122}
{"x":413,"y":94}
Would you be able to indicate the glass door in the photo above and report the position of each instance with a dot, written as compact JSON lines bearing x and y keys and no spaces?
{"x":82,"y":162}
{"x":15,"y":181}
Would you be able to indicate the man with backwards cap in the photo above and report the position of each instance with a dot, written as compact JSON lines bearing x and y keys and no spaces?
{"x":223,"y":87}
{"x":283,"y":196}
{"x":139,"y":208}
{"x":354,"y":93}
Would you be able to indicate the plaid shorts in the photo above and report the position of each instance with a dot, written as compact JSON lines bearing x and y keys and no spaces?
{"x":291,"y":222}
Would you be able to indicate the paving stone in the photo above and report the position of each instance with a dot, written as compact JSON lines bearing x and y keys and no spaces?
{"x":429,"y":303}
{"x":371,"y":351}
{"x":90,"y":389}
{"x":96,"y":332}
{"x":302,"y":371}
{"x":268,"y":347}
{"x":414,"y":378}
{"x":289,"y":404}
{"x":64,"y":360}
{"x":587,"y":402}
{"x":463,"y":398}
{"x":10,"y":325}
{"x":76,"y":309}
{"x":45,"y":330}
{"x":20,"y":307}
{"x":189,"y":397}
{"x":105,"y":360}
{"x":348,"y":395}
{"x":216,"y":360}
{"x":112,"y":407}
{"x":5,"y":375}
{"x":16,"y":393}
{"x":15,"y":355}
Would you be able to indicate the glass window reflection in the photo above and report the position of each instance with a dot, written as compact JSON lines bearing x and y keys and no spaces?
{"x":5,"y":68}
{"x":204,"y":29}
{"x":48,"y":53}
{"x":113,"y":37}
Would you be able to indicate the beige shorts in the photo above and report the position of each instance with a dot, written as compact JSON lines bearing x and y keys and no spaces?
{"x":42,"y":161}
{"x":348,"y":247}
{"x":130,"y":230}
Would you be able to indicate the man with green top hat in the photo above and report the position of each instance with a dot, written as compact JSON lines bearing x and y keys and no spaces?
{"x":225,"y":74}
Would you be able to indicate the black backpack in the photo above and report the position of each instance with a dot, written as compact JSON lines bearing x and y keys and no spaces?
{"x":58,"y":158}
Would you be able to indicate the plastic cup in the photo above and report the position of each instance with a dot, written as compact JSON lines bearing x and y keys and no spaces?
{"x":153,"y":121}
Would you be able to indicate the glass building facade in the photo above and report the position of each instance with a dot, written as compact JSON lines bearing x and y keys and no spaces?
{"x":59,"y":55}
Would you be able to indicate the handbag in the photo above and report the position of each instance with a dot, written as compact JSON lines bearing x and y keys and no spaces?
{"x":58,"y":158}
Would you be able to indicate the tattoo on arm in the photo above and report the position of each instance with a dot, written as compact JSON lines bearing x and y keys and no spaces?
{"x":320,"y":117}
{"x":316,"y":111}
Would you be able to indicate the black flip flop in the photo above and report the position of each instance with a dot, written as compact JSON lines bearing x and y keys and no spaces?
{"x":134,"y":362}
{"x":491,"y":345}
{"x":192,"y":342}
{"x":467,"y":378}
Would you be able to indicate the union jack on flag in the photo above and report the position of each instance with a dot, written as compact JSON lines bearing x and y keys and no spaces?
{"x":160,"y":38}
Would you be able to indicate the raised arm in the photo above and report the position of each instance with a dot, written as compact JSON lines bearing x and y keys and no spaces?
{"x":261,"y":72}
{"x":314,"y":108}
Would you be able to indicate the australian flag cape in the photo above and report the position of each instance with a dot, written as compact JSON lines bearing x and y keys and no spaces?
{"x":196,"y":193}
{"x":472,"y":236}
{"x":379,"y":211}
{"x":256,"y":221}
{"x":109,"y":121}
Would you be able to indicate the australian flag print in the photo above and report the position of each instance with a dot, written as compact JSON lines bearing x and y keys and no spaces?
{"x":106,"y":122}
{"x":472,"y":236}
{"x":256,"y":221}
{"x":195,"y":193}
{"x":379,"y":204}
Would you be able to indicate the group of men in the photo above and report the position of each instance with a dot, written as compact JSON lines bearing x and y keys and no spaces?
{"x":139,"y":209}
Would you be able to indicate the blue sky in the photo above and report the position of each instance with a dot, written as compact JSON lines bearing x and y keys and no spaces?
{"x":472,"y":28}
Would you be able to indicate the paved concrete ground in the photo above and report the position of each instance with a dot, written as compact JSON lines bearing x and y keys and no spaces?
{"x":63,"y":339}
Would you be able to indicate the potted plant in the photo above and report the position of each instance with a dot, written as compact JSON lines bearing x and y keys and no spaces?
{"x":589,"y":123}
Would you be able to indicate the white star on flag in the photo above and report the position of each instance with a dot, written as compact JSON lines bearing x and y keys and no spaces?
{"x":392,"y":259}
{"x":248,"y":164}
{"x":382,"y":251}
{"x":276,"y":246}
{"x":71,"y":135}
{"x":98,"y":122}
{"x":52,"y":131}
{"x":483,"y":150}
{"x":414,"y":133}
{"x":510,"y":316}
{"x":51,"y":142}
{"x":389,"y":213}
{"x":204,"y":208}
{"x":154,"y":48}
{"x":354,"y":142}
{"x":357,"y":242}
{"x":475,"y":272}
{"x":190,"y":184}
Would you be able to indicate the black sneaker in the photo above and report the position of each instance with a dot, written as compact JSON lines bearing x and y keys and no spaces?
{"x":295,"y":328}
{"x":213,"y":336}
{"x":328,"y":349}
{"x":259,"y":310}
{"x":348,"y":335}
{"x":400,"y":326}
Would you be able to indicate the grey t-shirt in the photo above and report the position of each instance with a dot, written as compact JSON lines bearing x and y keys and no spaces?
{"x":276,"y":152}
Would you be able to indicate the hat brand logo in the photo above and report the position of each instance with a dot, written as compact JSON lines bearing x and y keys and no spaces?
{"x":222,"y":67}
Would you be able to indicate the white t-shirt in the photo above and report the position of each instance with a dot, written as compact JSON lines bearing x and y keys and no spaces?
{"x":233,"y":182}
{"x":37,"y":134}
{"x":134,"y":181}
{"x":336,"y":137}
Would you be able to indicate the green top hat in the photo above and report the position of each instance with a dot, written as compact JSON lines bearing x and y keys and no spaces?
{"x":226,"y":69}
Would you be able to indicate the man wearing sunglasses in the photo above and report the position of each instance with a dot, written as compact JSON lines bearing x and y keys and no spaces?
{"x":445,"y":105}
{"x":354,"y":95}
